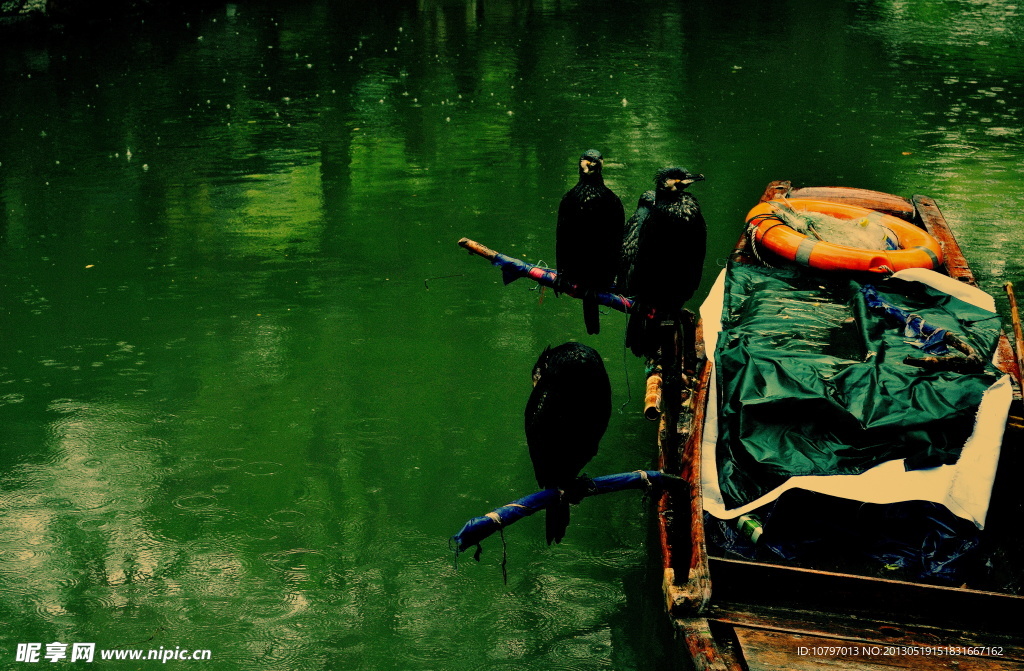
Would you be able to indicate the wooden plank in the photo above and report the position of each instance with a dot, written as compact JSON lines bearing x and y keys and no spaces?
{"x":1018,"y":332}
{"x":691,"y":470}
{"x":953,"y":257}
{"x":772,"y":650}
{"x":857,"y":630}
{"x":700,"y":647}
{"x":687,"y":585}
{"x":1006,"y":361}
{"x":873,"y":200}
{"x":775,"y":190}
{"x":738,"y":582}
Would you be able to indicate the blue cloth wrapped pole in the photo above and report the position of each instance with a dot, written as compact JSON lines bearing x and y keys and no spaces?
{"x":512,"y":269}
{"x":481,"y":527}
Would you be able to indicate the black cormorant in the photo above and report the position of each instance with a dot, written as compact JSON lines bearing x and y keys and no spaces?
{"x":631,"y":240}
{"x":566,"y":416}
{"x":662,"y":256}
{"x":589,"y":236}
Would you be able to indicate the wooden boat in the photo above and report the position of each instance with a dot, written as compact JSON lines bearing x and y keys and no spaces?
{"x":731,"y":614}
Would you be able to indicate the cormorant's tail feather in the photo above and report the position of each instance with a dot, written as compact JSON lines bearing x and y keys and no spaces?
{"x":556,"y":521}
{"x":591,"y":315}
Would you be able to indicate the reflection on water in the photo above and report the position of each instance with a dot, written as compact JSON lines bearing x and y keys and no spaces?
{"x":90,"y":491}
{"x":250,"y":385}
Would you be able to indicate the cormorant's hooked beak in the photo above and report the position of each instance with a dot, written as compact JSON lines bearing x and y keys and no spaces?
{"x":586,"y":165}
{"x":674,"y":184}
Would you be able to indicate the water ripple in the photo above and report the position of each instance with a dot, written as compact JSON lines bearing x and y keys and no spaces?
{"x":262,"y":468}
{"x":196,"y":502}
{"x":274,"y":607}
{"x":92,"y":523}
{"x":301,"y":567}
{"x":286,"y":518}
{"x":149,"y":445}
{"x":228,"y":463}
{"x":583,"y":647}
{"x":954,"y":149}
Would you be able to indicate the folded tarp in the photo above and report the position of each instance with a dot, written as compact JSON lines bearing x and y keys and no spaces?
{"x":815,"y":393}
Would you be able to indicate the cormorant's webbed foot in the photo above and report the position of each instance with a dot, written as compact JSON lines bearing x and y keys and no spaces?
{"x":562,"y":285}
{"x":580,"y":489}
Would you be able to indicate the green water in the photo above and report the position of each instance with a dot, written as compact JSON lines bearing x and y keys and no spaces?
{"x":249,"y":384}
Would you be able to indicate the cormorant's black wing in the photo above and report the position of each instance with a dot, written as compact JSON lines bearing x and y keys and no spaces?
{"x":693,"y":254}
{"x":564,"y":429}
{"x":567,"y":412}
{"x":544,"y":429}
{"x":570,"y":229}
{"x":631,"y":242}
{"x":562,"y":226}
{"x":608,"y":228}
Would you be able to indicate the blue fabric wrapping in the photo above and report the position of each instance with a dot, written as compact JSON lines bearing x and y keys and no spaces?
{"x":931,"y":339}
{"x":512,"y":269}
{"x":481,"y":527}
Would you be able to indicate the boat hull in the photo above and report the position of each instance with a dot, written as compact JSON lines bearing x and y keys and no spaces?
{"x":731,"y":614}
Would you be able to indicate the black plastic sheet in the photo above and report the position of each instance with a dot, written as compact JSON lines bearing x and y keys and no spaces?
{"x":920,"y":541}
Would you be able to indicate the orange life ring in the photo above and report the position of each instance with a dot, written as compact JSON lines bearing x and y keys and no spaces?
{"x":918,"y":249}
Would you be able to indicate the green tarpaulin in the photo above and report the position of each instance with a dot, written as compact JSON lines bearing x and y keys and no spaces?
{"x":813,"y":381}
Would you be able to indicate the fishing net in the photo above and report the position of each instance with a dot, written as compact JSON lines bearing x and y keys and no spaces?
{"x":867,"y":232}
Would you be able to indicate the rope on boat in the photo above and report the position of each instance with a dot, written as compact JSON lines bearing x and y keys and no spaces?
{"x":752,"y":227}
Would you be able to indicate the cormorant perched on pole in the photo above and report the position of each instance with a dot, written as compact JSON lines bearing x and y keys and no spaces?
{"x":566,"y":416}
{"x":631,"y":240}
{"x":662,"y":256}
{"x":588,"y":238}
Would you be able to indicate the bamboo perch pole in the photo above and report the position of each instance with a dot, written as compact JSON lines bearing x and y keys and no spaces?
{"x":652,"y":396}
{"x":479,"y":528}
{"x":1018,"y":332}
{"x":474,"y":247}
{"x":512,"y":269}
